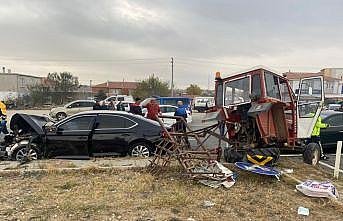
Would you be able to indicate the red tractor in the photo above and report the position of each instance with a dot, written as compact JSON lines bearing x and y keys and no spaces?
{"x":261,"y":115}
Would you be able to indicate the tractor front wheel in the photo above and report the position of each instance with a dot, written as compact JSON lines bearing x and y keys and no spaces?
{"x":311,"y":154}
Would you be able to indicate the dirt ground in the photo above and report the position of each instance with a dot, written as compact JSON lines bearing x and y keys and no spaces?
{"x":135,"y":194}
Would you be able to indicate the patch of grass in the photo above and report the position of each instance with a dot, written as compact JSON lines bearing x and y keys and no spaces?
{"x":97,"y":194}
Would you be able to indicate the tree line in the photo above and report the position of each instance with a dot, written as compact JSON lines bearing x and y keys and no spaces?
{"x":58,"y":88}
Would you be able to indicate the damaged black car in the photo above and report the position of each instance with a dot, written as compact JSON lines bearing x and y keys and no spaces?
{"x":81,"y":136}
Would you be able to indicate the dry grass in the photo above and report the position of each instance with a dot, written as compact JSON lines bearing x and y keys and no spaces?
{"x":137,"y":195}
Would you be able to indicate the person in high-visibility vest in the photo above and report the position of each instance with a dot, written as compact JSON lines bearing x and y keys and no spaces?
{"x":315,"y":136}
{"x":3,"y":118}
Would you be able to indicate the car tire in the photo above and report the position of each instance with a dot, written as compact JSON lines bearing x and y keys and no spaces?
{"x":20,"y":154}
{"x":61,"y":116}
{"x":140,"y":149}
{"x":311,"y":154}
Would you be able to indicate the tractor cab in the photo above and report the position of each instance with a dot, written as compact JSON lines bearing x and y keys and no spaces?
{"x":260,"y":109}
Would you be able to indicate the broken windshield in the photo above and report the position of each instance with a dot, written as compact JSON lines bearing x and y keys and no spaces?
{"x":237,"y":91}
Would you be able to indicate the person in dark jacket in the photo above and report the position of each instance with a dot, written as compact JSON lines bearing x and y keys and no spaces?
{"x":97,"y":106}
{"x":180,"y":124}
{"x":136,"y":108}
{"x":120,"y":106}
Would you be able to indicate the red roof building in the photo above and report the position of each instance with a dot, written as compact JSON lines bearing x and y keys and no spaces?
{"x":115,"y":88}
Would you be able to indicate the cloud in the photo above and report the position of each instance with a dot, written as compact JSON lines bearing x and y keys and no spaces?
{"x":102,"y":40}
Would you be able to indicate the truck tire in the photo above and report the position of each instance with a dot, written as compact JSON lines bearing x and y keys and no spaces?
{"x":232,"y":156}
{"x":311,"y":154}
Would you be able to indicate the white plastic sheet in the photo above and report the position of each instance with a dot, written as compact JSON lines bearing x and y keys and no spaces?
{"x":215,"y":166}
{"x":318,"y":189}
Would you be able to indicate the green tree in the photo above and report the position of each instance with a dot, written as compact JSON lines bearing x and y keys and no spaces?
{"x":62,"y":84}
{"x":150,"y":87}
{"x":38,"y":94}
{"x":101,"y":95}
{"x":193,"y":89}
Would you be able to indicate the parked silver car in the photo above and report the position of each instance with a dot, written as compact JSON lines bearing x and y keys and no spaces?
{"x":71,"y":108}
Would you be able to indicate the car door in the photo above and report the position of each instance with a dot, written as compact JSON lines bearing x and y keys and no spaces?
{"x":309,"y":105}
{"x":86,"y":106}
{"x":73,"y":108}
{"x":169,"y":111}
{"x":71,"y":137}
{"x":333,"y":133}
{"x":112,"y":135}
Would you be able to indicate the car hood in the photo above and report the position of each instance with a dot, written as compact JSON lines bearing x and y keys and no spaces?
{"x":28,"y":123}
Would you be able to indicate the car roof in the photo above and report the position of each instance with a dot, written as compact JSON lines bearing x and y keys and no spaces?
{"x":325,"y":114}
{"x":82,"y":101}
{"x":167,"y":105}
{"x":121,"y":113}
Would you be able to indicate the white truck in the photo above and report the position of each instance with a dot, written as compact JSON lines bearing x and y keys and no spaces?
{"x":202,"y":104}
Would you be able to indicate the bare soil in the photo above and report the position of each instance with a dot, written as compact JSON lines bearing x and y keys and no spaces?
{"x":135,"y":194}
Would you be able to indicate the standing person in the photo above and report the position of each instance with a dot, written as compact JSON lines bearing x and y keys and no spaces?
{"x":180,"y":124}
{"x":120,"y":106}
{"x":315,"y":136}
{"x":111,"y":106}
{"x":136,"y":107}
{"x":3,"y":118}
{"x":153,"y":110}
{"x":96,"y":106}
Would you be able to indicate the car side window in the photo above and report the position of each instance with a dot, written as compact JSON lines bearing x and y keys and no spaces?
{"x":171,"y":109}
{"x":163,"y":109}
{"x":335,"y":120}
{"x":113,"y":122}
{"x":75,"y":105}
{"x":79,"y":123}
{"x":87,"y":104}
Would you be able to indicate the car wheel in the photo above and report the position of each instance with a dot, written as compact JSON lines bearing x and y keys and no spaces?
{"x":61,"y":116}
{"x":141,"y":149}
{"x":311,"y":154}
{"x":22,"y":154}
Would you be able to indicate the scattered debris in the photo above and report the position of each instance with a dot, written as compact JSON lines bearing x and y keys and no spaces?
{"x":230,"y":177}
{"x":198,"y":162}
{"x":262,"y":170}
{"x":303,"y":211}
{"x":287,"y":170}
{"x":208,"y":204}
{"x":318,"y":189}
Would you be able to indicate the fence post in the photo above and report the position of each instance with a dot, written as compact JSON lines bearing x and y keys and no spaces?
{"x":338,"y":159}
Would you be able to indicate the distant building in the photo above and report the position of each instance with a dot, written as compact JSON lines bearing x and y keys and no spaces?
{"x":16,"y":85}
{"x":114,"y":88}
{"x":332,"y":85}
{"x":335,"y":73}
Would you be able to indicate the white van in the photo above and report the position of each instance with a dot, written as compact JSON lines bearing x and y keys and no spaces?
{"x":202,"y":104}
{"x":117,"y":98}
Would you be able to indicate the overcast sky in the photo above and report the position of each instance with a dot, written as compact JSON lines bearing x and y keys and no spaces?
{"x":117,"y":39}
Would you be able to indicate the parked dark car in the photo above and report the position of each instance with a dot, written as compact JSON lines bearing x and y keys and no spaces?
{"x":93,"y":133}
{"x":329,"y":136}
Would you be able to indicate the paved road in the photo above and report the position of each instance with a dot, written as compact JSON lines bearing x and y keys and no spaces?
{"x":196,"y":124}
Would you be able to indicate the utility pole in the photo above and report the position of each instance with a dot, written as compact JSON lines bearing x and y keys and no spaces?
{"x":90,"y":85}
{"x":172,"y":77}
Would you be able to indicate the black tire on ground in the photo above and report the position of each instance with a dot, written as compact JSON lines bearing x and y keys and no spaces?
{"x":270,"y":151}
{"x":20,"y":154}
{"x":232,"y":156}
{"x":311,"y":154}
{"x":140,"y":149}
